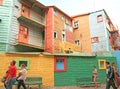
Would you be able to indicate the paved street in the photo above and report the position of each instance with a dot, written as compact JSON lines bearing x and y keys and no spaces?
{"x":68,"y":87}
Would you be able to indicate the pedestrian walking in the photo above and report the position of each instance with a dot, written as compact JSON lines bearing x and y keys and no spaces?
{"x":11,"y":75}
{"x":116,"y":75}
{"x":110,"y":76}
{"x":22,"y":77}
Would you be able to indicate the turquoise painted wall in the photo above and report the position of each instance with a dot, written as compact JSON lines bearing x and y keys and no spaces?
{"x":35,"y":33}
{"x":117,"y":55}
{"x":5,"y":16}
{"x":98,"y":29}
{"x":80,"y":67}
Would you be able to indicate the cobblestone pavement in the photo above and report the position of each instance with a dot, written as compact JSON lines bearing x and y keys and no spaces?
{"x":68,"y":87}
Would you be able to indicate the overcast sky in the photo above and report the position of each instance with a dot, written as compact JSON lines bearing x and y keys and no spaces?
{"x":75,"y":7}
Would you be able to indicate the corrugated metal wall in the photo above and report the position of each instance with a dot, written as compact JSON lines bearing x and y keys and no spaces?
{"x":35,"y":37}
{"x":14,"y":25}
{"x":117,"y":55}
{"x":98,"y":29}
{"x":5,"y":16}
{"x":37,"y":16}
{"x":80,"y":67}
{"x":35,"y":34}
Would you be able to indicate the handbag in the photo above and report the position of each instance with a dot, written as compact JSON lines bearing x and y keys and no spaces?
{"x":3,"y":79}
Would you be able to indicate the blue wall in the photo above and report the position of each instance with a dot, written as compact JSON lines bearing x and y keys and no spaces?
{"x":98,"y":29}
{"x":117,"y":55}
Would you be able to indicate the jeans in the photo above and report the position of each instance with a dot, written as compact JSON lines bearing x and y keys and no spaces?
{"x":10,"y":83}
{"x":110,"y":83}
{"x":21,"y":82}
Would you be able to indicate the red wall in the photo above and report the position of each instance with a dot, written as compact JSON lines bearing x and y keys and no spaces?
{"x":49,"y":30}
{"x":69,"y":36}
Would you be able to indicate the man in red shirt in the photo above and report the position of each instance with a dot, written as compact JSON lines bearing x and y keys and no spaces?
{"x":11,"y":75}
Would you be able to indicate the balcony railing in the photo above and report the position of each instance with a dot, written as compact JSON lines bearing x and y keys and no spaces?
{"x":32,"y":18}
{"x":37,"y":45}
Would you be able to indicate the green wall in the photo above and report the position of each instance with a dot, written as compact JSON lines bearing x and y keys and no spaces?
{"x":80,"y":67}
{"x":5,"y":16}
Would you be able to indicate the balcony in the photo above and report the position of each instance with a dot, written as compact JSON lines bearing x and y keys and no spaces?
{"x":22,"y":41}
{"x":32,"y":15}
{"x":28,"y":45}
{"x":30,"y":21}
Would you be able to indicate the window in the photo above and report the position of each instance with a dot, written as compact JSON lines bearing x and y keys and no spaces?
{"x":102,"y":64}
{"x":0,"y":2}
{"x":77,"y":42}
{"x":68,"y":27}
{"x":63,"y":36}
{"x":55,"y":12}
{"x":76,"y":24}
{"x":99,"y":18}
{"x":22,"y":61}
{"x":60,"y":64}
{"x":63,"y":17}
{"x":94,"y":39}
{"x":55,"y":34}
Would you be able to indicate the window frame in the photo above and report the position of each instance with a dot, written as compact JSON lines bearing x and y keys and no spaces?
{"x":23,"y":59}
{"x":104,"y":64}
{"x":93,"y":40}
{"x":77,"y":42}
{"x":55,"y":37}
{"x":63,"y":36}
{"x":55,"y":63}
{"x":99,"y":18}
{"x":76,"y":24}
{"x":55,"y":12}
{"x":63,"y":17}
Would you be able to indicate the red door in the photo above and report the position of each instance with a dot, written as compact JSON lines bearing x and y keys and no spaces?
{"x":23,"y":34}
{"x":25,"y":11}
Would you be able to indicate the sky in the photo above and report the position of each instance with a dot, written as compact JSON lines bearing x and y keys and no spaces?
{"x":75,"y":7}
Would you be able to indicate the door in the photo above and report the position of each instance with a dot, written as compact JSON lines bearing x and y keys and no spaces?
{"x":23,"y":34}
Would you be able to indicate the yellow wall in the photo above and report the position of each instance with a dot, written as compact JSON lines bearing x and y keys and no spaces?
{"x":82,"y":33}
{"x":66,"y":45}
{"x":40,"y":65}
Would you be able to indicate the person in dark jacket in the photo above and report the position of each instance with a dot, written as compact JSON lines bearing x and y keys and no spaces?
{"x":110,"y":76}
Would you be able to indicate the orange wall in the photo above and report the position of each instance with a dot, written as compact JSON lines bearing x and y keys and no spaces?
{"x":83,"y":33}
{"x":59,"y":25}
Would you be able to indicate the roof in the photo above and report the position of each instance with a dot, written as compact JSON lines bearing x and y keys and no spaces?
{"x":92,"y":13}
{"x":80,"y":15}
{"x":36,"y":3}
{"x":60,"y":11}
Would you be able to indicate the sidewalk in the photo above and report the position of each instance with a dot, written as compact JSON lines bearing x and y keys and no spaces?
{"x":68,"y":87}
{"x":65,"y":87}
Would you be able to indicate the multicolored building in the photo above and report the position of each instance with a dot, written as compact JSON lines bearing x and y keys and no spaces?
{"x":52,"y":44}
{"x":56,"y":69}
{"x":59,"y":32}
{"x":22,"y":26}
{"x":97,"y":32}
